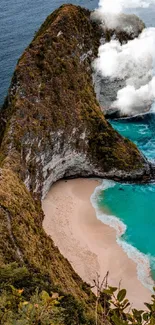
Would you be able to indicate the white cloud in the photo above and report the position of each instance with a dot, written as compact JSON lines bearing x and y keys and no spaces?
{"x":118,"y":6}
{"x":133,"y":62}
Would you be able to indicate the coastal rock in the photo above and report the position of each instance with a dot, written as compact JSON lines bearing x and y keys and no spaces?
{"x":106,"y":90}
{"x":54,"y":126}
{"x":51,"y":126}
{"x":122,"y":26}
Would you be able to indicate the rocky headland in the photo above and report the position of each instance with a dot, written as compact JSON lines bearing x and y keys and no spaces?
{"x":52,"y":127}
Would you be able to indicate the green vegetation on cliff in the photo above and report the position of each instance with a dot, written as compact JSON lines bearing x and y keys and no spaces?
{"x":52,"y":92}
{"x":51,"y":126}
{"x":53,"y":307}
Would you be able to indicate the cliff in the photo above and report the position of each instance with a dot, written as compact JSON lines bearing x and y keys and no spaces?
{"x":54,"y":127}
{"x":51,"y":127}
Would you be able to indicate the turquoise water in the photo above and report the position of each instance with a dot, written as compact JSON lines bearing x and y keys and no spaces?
{"x":141,"y":131}
{"x":134,"y":205}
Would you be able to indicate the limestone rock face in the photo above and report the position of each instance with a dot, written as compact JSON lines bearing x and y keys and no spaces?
{"x":106,"y":90}
{"x":51,"y":126}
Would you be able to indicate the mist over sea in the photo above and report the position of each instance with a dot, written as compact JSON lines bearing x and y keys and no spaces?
{"x":132,"y":205}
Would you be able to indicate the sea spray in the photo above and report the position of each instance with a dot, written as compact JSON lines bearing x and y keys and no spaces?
{"x":142,"y":260}
{"x":118,"y":6}
{"x":132,"y":62}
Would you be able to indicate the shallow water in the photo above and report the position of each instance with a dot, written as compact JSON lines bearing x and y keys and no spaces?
{"x":134,"y":205}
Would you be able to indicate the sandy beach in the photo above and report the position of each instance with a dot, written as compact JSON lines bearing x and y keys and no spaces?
{"x":88,"y":244}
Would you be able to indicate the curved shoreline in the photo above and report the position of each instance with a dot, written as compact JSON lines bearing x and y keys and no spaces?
{"x":88,"y":244}
{"x":142,"y":261}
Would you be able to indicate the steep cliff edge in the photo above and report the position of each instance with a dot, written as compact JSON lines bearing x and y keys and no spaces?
{"x":54,"y":125}
{"x":51,"y":127}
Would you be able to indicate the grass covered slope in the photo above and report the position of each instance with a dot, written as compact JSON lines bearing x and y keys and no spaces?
{"x":30,"y":263}
{"x":51,"y":120}
{"x":51,"y":126}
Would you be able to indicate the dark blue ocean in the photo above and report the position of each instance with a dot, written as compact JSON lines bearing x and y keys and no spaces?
{"x":132,"y":207}
{"x":19,"y":20}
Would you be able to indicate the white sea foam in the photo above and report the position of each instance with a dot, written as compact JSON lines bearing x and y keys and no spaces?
{"x":142,"y":261}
